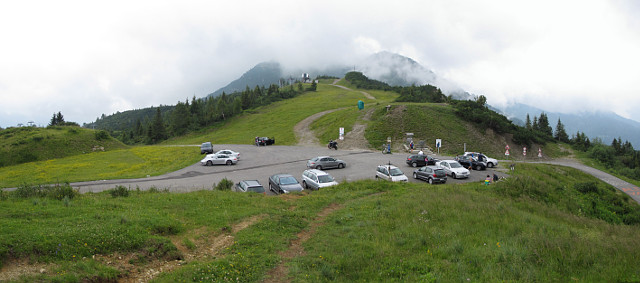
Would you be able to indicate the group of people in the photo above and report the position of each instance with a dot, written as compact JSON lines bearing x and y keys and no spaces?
{"x":489,"y":179}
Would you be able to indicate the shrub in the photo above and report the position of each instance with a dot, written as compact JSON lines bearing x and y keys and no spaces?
{"x":102,"y":135}
{"x":224,"y":185}
{"x":119,"y":191}
{"x":586,"y":187}
{"x":61,"y":192}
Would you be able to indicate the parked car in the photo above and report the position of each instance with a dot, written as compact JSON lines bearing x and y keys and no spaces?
{"x":390,"y":173}
{"x":206,"y":147}
{"x":325,"y":162}
{"x":229,"y":152}
{"x":265,"y":141}
{"x":470,"y":162}
{"x":453,"y":169}
{"x":215,"y":159}
{"x":431,"y":174}
{"x":419,"y":160}
{"x":284,"y":184}
{"x":249,"y":186}
{"x":491,"y":162}
{"x":314,"y":179}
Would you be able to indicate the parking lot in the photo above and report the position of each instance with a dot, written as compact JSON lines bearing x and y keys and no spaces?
{"x":258,"y":163}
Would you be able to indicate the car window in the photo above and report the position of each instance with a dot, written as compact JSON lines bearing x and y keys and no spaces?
{"x":314,"y":159}
{"x":396,"y":172}
{"x":439,"y":171}
{"x":288,"y":180}
{"x":331,"y":159}
{"x":455,"y":165}
{"x":256,"y":189}
{"x":325,"y":179}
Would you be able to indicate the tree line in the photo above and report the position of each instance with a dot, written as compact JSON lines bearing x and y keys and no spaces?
{"x":156,"y":124}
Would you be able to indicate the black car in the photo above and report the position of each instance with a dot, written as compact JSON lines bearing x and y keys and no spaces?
{"x":284,"y":183}
{"x":469,"y":162}
{"x":431,"y":174}
{"x":418,"y":160}
{"x":265,"y":141}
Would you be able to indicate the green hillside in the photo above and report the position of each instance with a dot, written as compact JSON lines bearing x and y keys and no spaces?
{"x":27,"y":144}
{"x":545,"y":223}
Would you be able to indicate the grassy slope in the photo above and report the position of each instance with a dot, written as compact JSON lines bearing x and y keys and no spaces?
{"x":379,"y":232}
{"x":26,"y":144}
{"x":276,"y":120}
{"x":134,"y":162}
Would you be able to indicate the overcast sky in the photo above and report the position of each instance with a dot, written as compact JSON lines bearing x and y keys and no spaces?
{"x":86,"y":58}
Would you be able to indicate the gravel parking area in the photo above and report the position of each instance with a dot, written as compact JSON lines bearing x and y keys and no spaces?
{"x":258,"y":163}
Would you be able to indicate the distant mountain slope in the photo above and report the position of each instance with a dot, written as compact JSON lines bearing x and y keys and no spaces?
{"x":603,"y":125}
{"x":263,"y":74}
{"x":398,"y":70}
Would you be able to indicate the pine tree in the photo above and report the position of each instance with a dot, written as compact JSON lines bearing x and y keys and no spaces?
{"x":157,"y":131}
{"x":561,"y":134}
{"x":528,"y":123}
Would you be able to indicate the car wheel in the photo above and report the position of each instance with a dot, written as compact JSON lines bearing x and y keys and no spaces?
{"x":415,"y":176}
{"x":304,"y":185}
{"x":414,"y":165}
{"x":319,"y":167}
{"x":490,"y":165}
{"x":209,"y":163}
{"x":340,"y":165}
{"x":477,"y":168}
{"x":431,"y":181}
{"x":453,"y":175}
{"x":229,"y":162}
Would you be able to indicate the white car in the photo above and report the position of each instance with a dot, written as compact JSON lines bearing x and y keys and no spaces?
{"x":213,"y":159}
{"x":390,"y":173}
{"x":491,"y":162}
{"x":230,"y":153}
{"x":314,"y":179}
{"x":453,"y":168}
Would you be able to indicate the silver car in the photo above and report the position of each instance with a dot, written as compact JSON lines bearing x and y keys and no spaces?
{"x":214,"y":159}
{"x":315,"y":179}
{"x":325,"y":162}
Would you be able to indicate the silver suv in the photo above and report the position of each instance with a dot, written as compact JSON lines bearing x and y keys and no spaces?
{"x":314,"y":179}
{"x":390,"y":173}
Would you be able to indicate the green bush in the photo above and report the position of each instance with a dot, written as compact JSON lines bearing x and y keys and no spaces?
{"x":586,"y":187}
{"x":224,"y":185}
{"x":61,"y":192}
{"x":102,"y":135}
{"x":119,"y":191}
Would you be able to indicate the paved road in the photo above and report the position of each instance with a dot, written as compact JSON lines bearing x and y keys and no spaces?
{"x":261,"y":162}
{"x":632,"y":190}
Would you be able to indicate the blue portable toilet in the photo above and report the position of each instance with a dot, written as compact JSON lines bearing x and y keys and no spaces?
{"x":360,"y":105}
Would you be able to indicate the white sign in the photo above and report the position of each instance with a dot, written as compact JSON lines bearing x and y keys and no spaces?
{"x":524,"y":151}
{"x":438,"y":143}
{"x":539,"y":152}
{"x":506,"y":152}
{"x":341,"y":133}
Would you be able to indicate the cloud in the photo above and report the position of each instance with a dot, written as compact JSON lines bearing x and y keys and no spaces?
{"x":117,"y":55}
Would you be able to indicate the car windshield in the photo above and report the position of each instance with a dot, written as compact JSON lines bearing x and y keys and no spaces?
{"x":395,"y":172}
{"x":455,"y":165}
{"x":439,"y":172}
{"x":288,"y":180}
{"x":314,"y":159}
{"x":325,"y":179}
{"x":257,"y":189}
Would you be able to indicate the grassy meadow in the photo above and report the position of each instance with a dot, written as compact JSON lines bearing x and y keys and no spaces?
{"x":27,"y":144}
{"x":134,"y":162}
{"x":541,"y":224}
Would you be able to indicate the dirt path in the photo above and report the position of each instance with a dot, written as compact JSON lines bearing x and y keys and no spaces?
{"x":355,"y":139}
{"x":207,"y":245}
{"x":303,"y":133}
{"x":280,"y":272}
